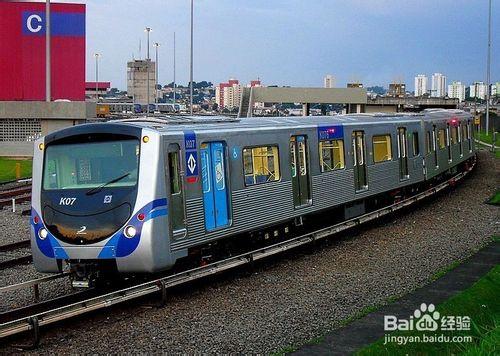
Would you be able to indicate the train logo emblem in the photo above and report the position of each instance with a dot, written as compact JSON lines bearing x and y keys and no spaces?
{"x":82,"y":231}
{"x":107,"y":199}
{"x":191,"y":163}
{"x":218,"y":172}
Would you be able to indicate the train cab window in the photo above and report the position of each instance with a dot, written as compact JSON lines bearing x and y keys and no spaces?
{"x":416,"y":148}
{"x":88,"y":165}
{"x":261,"y":165}
{"x":441,"y":139}
{"x":382,"y":150}
{"x":428,"y":142}
{"x":331,"y":155}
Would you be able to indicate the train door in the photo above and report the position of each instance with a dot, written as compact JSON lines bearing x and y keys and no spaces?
{"x":402,"y":153}
{"x":460,"y":139}
{"x":434,"y":146}
{"x":176,"y":201}
{"x":214,"y":177}
{"x":300,"y":171}
{"x":448,"y":141}
{"x":359,"y":153}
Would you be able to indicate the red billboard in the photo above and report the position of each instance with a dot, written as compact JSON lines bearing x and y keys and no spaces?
{"x":22,"y":51}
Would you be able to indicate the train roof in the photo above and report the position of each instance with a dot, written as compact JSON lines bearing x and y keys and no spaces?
{"x":180,"y":123}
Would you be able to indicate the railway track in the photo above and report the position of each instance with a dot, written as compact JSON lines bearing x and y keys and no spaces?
{"x":18,"y":260}
{"x":19,"y":194}
{"x":15,"y":322}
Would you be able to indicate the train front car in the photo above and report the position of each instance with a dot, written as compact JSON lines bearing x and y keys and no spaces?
{"x":96,"y":204}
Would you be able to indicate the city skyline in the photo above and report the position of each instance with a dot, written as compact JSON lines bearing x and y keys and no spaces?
{"x":288,"y":43}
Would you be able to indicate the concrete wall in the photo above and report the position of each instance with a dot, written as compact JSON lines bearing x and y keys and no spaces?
{"x":47,"y":110}
{"x":16,"y":149}
{"x":309,"y":95}
{"x":52,"y":115}
{"x":380,"y":108}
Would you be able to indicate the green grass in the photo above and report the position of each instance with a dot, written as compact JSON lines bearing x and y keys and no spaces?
{"x":487,"y":138}
{"x":479,"y":302}
{"x":495,"y":199}
{"x":8,"y":168}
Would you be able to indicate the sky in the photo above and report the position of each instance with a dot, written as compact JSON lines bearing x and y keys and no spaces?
{"x":297,"y":42}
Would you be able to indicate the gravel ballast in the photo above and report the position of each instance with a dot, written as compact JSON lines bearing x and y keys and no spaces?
{"x":293,"y":298}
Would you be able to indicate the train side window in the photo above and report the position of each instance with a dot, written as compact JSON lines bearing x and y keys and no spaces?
{"x":454,"y":135}
{"x":331,"y":155}
{"x":416,"y":148}
{"x":428,"y":142}
{"x":382,"y":150}
{"x":441,"y":139}
{"x":174,"y":169}
{"x":261,"y":165}
{"x":464,"y":132}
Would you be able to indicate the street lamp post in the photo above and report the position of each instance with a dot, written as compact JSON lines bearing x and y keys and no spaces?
{"x":174,"y":73}
{"x":156,"y":44}
{"x":148,"y":60}
{"x":47,"y":52}
{"x":191,"y":64}
{"x":488,"y":73}
{"x":97,"y":55}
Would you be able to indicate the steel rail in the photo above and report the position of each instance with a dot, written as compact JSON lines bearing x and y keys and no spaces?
{"x":16,"y":261}
{"x":14,"y":192}
{"x":15,"y":245}
{"x":162,"y":284}
{"x":33,"y":282}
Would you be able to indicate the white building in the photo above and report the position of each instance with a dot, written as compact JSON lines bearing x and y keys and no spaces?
{"x":329,"y":81}
{"x":420,"y":85}
{"x":438,"y":87}
{"x":478,"y":90}
{"x":495,"y":89}
{"x":456,"y":90}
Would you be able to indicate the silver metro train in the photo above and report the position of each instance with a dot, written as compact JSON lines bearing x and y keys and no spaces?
{"x":139,"y":195}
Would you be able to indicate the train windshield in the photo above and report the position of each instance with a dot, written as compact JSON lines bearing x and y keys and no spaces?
{"x":91,"y":165}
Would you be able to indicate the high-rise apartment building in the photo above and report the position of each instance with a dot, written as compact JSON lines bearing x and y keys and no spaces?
{"x":438,"y":87}
{"x":456,"y":90}
{"x":420,"y":85}
{"x":329,"y":81}
{"x":478,"y":90}
{"x":228,"y":95}
{"x":220,"y":89}
{"x":137,"y":79}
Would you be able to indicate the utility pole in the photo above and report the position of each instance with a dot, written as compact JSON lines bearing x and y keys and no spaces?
{"x":174,"y":73}
{"x":148,"y":60}
{"x":48,"y":73}
{"x":156,"y":44}
{"x":96,"y":55}
{"x":191,"y":65}
{"x":488,"y":73}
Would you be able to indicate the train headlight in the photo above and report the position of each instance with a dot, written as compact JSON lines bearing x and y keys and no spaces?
{"x":130,"y":231}
{"x":43,"y":233}
{"x":145,"y":139}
